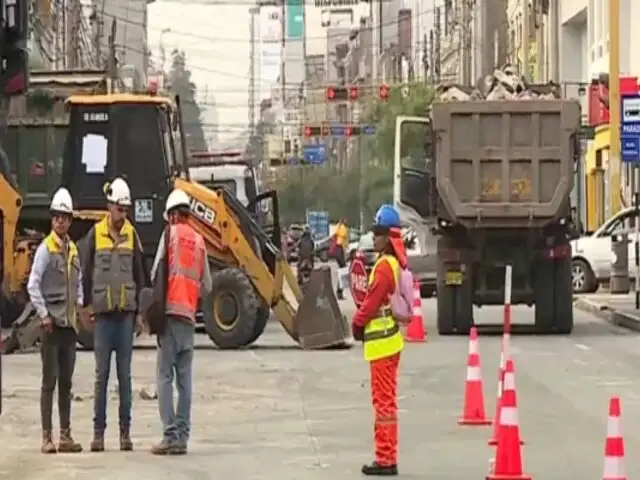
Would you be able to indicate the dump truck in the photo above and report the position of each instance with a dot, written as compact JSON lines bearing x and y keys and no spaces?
{"x":491,"y":180}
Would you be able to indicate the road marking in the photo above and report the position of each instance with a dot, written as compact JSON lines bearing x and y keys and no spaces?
{"x":582,"y":347}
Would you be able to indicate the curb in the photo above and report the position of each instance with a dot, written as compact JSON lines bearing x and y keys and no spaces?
{"x":604,"y":312}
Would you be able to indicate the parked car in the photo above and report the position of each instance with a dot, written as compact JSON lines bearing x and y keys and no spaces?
{"x":421,"y":262}
{"x":323,"y":245}
{"x":591,"y":253}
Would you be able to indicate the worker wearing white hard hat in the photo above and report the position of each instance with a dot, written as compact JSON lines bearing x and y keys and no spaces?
{"x":114,"y":276}
{"x":185,"y":278}
{"x":55,"y":291}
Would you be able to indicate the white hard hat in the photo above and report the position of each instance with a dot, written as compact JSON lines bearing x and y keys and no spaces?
{"x":61,"y":201}
{"x":177,"y":198}
{"x":118,"y":192}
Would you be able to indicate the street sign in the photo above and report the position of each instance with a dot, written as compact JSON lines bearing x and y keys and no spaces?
{"x":358,"y":282}
{"x":315,"y":154}
{"x":368,"y":129}
{"x":318,"y":221}
{"x":630,"y":129}
{"x":337,"y":130}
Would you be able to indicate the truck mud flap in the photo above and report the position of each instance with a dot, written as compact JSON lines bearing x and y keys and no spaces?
{"x":319,"y":322}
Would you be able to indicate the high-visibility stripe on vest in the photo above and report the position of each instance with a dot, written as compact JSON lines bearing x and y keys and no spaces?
{"x":59,"y":284}
{"x":114,"y":289}
{"x":382,"y":336}
{"x":186,"y":257}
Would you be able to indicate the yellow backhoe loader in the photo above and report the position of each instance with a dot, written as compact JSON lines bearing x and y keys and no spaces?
{"x":136,"y":136}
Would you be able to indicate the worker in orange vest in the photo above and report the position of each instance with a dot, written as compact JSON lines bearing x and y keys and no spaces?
{"x":340,"y":244}
{"x":374,"y":324}
{"x":187,"y":271}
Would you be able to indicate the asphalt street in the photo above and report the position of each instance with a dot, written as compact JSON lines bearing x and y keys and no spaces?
{"x":277,"y":412}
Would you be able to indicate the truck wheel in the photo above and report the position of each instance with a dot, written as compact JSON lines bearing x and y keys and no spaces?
{"x":234,"y":310}
{"x":455,"y":306}
{"x":563,"y":298}
{"x":264,"y":313}
{"x":553,"y":292}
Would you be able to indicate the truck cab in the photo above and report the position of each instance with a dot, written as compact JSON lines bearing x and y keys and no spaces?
{"x":227,"y":169}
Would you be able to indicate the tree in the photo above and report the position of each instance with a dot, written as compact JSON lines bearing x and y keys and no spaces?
{"x":413,"y":99}
{"x":181,"y":84}
{"x":368,"y":183}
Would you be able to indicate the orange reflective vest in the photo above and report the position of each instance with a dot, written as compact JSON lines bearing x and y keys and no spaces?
{"x":186,"y":257}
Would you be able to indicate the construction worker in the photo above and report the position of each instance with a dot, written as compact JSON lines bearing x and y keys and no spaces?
{"x":374,"y":324}
{"x":306,"y":257}
{"x":187,"y":278}
{"x":341,"y":242}
{"x":55,"y":291}
{"x":113,"y":276}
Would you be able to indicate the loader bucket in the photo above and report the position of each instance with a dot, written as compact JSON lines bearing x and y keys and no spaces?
{"x":319,"y":321}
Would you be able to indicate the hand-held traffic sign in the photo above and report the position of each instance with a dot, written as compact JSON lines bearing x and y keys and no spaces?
{"x":358,"y":282}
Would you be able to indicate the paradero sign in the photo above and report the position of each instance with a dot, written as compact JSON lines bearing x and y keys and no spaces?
{"x":335,"y":3}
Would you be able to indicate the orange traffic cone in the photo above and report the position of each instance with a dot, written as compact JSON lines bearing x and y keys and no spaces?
{"x":504,"y":352}
{"x":415,"y":329}
{"x":473,"y":411}
{"x":508,"y":457}
{"x":614,"y":445}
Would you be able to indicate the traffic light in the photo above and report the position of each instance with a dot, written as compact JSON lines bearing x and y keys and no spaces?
{"x":312,"y":131}
{"x":384,"y":92}
{"x":341,"y":94}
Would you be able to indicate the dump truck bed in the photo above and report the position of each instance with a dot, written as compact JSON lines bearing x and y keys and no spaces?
{"x":505,"y":163}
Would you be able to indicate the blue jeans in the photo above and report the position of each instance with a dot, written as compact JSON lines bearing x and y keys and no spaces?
{"x":114,"y":332}
{"x":175,"y":355}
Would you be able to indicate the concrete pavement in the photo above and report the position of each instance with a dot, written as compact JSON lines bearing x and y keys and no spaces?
{"x":277,"y":412}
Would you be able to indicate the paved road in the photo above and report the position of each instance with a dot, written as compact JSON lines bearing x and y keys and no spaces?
{"x":273,"y":412}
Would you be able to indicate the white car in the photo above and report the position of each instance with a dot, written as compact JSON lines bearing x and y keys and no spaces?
{"x":592,"y":255}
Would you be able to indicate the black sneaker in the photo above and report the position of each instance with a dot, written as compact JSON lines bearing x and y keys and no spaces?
{"x":380,"y":470}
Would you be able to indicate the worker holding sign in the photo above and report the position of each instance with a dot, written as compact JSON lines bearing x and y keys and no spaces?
{"x":375,"y":325}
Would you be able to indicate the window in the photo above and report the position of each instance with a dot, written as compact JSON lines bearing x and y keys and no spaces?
{"x":366,"y":242}
{"x":230,"y":185}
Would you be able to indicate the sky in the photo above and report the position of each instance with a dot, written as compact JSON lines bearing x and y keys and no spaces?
{"x":215,"y":39}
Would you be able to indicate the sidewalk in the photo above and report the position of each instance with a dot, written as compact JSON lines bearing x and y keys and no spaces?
{"x":619,"y":310}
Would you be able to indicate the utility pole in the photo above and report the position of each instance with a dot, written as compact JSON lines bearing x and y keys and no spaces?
{"x":112,"y":62}
{"x":524,"y":41}
{"x":554,"y":44}
{"x":540,"y":43}
{"x":253,"y":13}
{"x":435,"y":64}
{"x":427,"y":56}
{"x":466,"y":43}
{"x":97,"y":24}
{"x":614,"y":103}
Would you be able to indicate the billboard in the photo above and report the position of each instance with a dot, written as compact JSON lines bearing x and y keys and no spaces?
{"x":295,"y":19}
{"x":270,"y":47}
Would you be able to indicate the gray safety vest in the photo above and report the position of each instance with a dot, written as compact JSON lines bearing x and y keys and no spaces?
{"x":59,"y":285}
{"x":114,"y":289}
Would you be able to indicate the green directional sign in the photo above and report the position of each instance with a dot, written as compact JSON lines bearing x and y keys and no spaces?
{"x":295,"y":19}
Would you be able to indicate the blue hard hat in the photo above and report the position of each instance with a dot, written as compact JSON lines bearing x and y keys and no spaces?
{"x":387,"y":217}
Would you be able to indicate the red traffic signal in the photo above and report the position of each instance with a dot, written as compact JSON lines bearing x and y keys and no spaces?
{"x":307,"y":131}
{"x":347,"y":131}
{"x":331,"y":93}
{"x":384,"y":92}
{"x":353,"y":93}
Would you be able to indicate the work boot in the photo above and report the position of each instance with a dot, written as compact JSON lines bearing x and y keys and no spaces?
{"x":162,"y":448}
{"x":126,"y":445}
{"x":97,"y":444}
{"x":47,"y":443}
{"x":380,"y":470}
{"x":67,"y":444}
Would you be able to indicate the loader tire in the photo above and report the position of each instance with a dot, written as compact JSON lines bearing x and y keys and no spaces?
{"x":233,"y":320}
{"x":264,"y":313}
